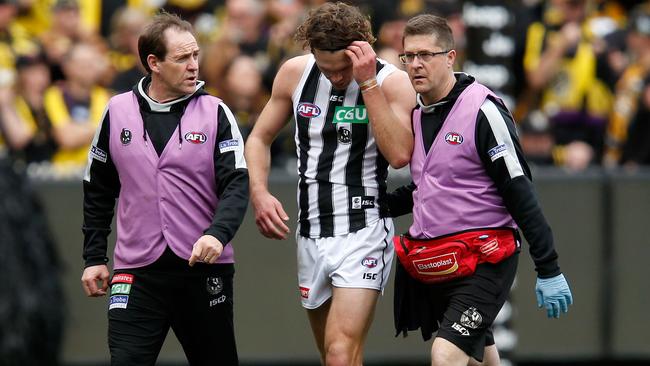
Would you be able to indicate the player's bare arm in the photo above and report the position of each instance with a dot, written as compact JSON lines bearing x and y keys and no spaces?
{"x":270,"y":216}
{"x":389,"y":105}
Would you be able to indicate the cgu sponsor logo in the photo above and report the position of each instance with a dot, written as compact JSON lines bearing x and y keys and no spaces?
{"x":453,"y":138}
{"x":304,"y":292}
{"x":196,"y":137}
{"x":369,"y":262}
{"x":120,"y":288}
{"x":357,"y":114}
{"x":438,"y":265}
{"x":308,"y":110}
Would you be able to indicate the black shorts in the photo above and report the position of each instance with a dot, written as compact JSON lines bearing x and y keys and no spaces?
{"x":196,"y":302}
{"x":461,"y":311}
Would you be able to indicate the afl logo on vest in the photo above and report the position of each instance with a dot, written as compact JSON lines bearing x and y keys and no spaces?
{"x":308,"y":110}
{"x":453,"y":138}
{"x":196,"y":137}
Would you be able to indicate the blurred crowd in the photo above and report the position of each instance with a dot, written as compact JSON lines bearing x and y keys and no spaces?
{"x":576,"y":72}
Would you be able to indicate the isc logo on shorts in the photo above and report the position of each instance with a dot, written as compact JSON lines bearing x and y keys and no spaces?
{"x":460,"y":329}
{"x":304,"y":292}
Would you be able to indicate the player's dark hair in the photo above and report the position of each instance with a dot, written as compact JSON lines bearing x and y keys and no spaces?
{"x":333,"y":26}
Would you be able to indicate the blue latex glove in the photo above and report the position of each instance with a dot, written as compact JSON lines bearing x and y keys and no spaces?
{"x":553,"y":294}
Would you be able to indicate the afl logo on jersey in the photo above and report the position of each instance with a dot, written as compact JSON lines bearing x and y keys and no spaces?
{"x":308,"y":110}
{"x":196,"y":137}
{"x":453,"y":138}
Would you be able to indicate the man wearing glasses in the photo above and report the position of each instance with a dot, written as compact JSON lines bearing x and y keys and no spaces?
{"x":471,"y":193}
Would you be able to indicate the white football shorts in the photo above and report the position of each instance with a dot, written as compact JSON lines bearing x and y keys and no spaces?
{"x":362,"y":259}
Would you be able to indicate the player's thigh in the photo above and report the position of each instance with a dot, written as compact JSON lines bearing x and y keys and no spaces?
{"x":490,"y":357}
{"x":351,"y":313}
{"x":318,"y":321}
{"x":446,"y":353}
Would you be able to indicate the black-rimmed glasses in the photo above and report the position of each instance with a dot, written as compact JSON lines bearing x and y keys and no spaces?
{"x":426,"y":56}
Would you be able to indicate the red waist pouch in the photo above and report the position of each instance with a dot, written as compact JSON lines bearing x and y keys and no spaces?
{"x":453,"y":256}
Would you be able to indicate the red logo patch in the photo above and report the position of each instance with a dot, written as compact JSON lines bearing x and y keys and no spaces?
{"x":304,"y":292}
{"x":196,"y":137}
{"x":122,"y":278}
{"x":308,"y":110}
{"x":453,"y":138}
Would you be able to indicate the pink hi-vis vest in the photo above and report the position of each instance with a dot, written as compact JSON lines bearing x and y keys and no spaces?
{"x":168,"y":200}
{"x":453,"y":192}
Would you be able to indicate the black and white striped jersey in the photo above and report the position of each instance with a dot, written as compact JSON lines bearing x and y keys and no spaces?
{"x":341,"y":173}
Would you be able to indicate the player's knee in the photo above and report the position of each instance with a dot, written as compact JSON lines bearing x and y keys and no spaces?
{"x":341,"y":353}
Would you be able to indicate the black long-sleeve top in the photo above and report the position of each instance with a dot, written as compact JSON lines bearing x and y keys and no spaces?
{"x":517,"y":191}
{"x":102,"y":185}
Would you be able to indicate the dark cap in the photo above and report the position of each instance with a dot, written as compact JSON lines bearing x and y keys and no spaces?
{"x":27,"y":60}
{"x":8,"y":2}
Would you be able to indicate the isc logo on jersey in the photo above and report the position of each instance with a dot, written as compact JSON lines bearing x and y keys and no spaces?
{"x":196,"y":137}
{"x":308,"y":110}
{"x":357,"y":114}
{"x":453,"y":138}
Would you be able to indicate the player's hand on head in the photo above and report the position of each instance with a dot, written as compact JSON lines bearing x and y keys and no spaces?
{"x":364,"y":60}
{"x":206,"y":249}
{"x":553,"y":294}
{"x":94,"y":280}
{"x":270,"y":216}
